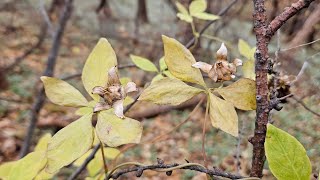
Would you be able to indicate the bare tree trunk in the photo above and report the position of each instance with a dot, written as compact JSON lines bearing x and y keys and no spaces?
{"x":142,"y":13}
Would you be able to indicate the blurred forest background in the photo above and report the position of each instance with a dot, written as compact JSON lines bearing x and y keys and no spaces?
{"x":27,"y":33}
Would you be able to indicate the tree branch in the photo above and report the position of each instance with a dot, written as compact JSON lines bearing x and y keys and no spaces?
{"x":168,"y":168}
{"x":288,"y":12}
{"x":264,"y":32}
{"x":52,"y":57}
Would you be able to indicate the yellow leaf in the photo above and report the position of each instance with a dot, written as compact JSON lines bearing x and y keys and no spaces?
{"x":223,"y":115}
{"x":181,"y":8}
{"x":180,"y":60}
{"x":169,"y":91}
{"x":43,"y":175}
{"x":248,"y":69}
{"x":29,"y":166}
{"x":197,"y":6}
{"x":115,"y":131}
{"x":286,"y":156}
{"x":242,"y":94}
{"x":245,"y":50}
{"x":101,"y":59}
{"x":128,"y":100}
{"x":84,"y":110}
{"x":43,"y":142}
{"x":184,"y":17}
{"x":143,"y":63}
{"x":157,"y":77}
{"x":70,"y":143}
{"x":62,"y":93}
{"x":5,"y":169}
{"x":206,"y":16}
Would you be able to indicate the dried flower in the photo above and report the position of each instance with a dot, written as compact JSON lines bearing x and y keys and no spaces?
{"x":113,"y":93}
{"x":221,"y":70}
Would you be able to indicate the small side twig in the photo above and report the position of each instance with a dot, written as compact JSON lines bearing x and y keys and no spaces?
{"x":305,"y":106}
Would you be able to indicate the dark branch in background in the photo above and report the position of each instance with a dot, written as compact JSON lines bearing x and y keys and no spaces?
{"x":52,"y":57}
{"x":264,"y":33}
{"x":189,"y":44}
{"x":168,"y":168}
{"x":221,"y":13}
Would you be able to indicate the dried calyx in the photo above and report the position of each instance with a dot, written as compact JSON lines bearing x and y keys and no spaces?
{"x":221,"y":70}
{"x":113,"y":93}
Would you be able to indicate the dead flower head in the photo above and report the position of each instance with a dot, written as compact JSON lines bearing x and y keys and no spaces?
{"x":113,"y":93}
{"x":221,"y":70}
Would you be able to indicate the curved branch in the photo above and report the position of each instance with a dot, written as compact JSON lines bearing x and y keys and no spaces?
{"x":168,"y":168}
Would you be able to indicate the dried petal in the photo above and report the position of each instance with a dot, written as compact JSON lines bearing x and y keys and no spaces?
{"x":118,"y":108}
{"x":130,"y":87}
{"x":101,"y":106}
{"x":205,"y":67}
{"x":237,"y":62}
{"x":113,"y":78}
{"x":222,"y":52}
{"x":98,"y":90}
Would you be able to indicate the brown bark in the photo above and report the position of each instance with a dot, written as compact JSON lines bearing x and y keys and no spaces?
{"x":307,"y":28}
{"x":264,"y":33}
{"x":142,"y":14}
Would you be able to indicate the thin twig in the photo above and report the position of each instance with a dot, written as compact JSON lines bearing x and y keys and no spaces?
{"x":105,"y":167}
{"x":52,"y":57}
{"x":301,"y":45}
{"x":168,"y":168}
{"x":85,"y":163}
{"x":305,"y":106}
{"x":221,"y":13}
{"x":204,"y":135}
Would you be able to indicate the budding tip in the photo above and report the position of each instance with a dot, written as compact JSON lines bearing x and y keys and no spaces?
{"x":222,"y":50}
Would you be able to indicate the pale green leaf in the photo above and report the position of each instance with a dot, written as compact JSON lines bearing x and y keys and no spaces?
{"x":248,"y":69}
{"x":169,"y":91}
{"x":206,"y":16}
{"x":70,"y":143}
{"x":43,"y":142}
{"x":168,"y":74}
{"x":5,"y":169}
{"x":163,"y":65}
{"x":181,"y":8}
{"x":223,"y":115}
{"x":286,"y":156}
{"x":180,"y":60}
{"x":157,"y":77}
{"x":184,"y":17}
{"x":197,"y":6}
{"x":143,"y":63}
{"x":62,"y":93}
{"x":101,"y":59}
{"x":115,"y":131}
{"x":242,"y":94}
{"x":28,"y":167}
{"x":245,"y":49}
{"x":83,"y":111}
{"x":125,"y":80}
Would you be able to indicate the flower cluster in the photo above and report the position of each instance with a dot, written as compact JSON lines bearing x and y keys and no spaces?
{"x":221,"y":70}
